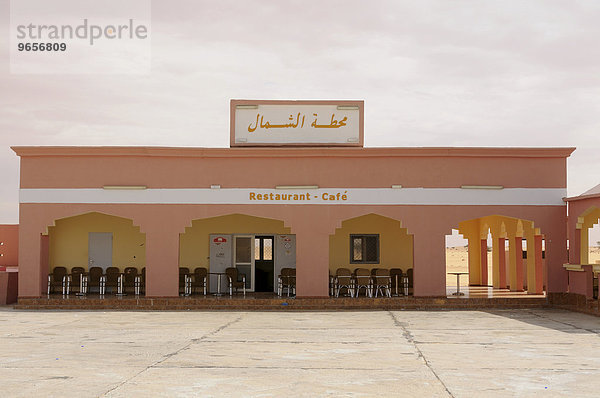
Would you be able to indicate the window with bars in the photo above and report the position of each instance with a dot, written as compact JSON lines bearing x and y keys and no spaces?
{"x":364,"y":249}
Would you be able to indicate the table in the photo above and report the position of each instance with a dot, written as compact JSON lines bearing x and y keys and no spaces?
{"x":218,"y":274}
{"x":458,"y":274}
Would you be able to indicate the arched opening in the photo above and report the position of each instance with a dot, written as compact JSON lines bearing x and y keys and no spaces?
{"x":257,"y":247}
{"x":94,"y":240}
{"x":457,"y":261}
{"x":590,"y":235}
{"x":594,"y":244}
{"x":372,"y":241}
{"x":505,"y":253}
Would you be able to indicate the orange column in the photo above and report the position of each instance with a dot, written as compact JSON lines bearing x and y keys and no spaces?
{"x":539,"y":267}
{"x":484,"y":262}
{"x":312,"y":264}
{"x":162,"y":260}
{"x":502,"y":263}
{"x":575,"y":248}
{"x":519,"y":264}
{"x":312,"y":255}
{"x":30,"y":264}
{"x":429,"y":264}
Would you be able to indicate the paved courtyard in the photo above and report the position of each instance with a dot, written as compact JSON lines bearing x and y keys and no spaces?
{"x":385,"y":353}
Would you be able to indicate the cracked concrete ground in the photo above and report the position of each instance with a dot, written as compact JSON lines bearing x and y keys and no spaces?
{"x":494,"y":353}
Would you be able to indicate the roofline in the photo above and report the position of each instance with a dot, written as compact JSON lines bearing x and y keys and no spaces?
{"x":582,"y":197}
{"x":255,"y":152}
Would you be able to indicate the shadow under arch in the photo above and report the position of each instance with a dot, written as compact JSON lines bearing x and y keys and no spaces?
{"x":518,"y":268}
{"x":347,"y":246}
{"x":585,"y":222}
{"x":69,"y":241}
{"x":245,"y":231}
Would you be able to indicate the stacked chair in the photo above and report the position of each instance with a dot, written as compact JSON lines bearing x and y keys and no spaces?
{"x":200,"y":280}
{"x":128,"y":277}
{"x":286,"y":280}
{"x":382,"y":282}
{"x":344,"y":280}
{"x":185,"y":281}
{"x":58,"y":279}
{"x":362,"y":278}
{"x":396,"y":281}
{"x":77,"y":280}
{"x":96,"y":279}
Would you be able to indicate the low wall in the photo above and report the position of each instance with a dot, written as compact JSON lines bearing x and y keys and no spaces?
{"x":574,"y":302}
{"x":9,"y":285}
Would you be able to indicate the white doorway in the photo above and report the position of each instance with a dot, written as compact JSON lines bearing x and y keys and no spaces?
{"x":100,"y":249}
{"x":244,"y":258}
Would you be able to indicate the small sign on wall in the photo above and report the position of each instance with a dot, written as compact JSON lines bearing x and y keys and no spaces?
{"x":296,"y":123}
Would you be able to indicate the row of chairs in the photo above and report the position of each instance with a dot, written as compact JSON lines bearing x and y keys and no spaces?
{"x":189,"y":282}
{"x":375,"y":281}
{"x":80,"y":281}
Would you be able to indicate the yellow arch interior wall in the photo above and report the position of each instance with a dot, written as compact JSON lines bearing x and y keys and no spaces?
{"x":68,"y":241}
{"x":590,"y":218}
{"x":194,"y":244}
{"x":395,"y":244}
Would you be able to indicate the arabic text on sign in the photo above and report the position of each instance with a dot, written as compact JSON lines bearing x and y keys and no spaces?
{"x":260,"y":122}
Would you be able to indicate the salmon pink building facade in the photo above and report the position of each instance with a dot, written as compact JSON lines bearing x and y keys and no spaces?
{"x":295,"y":190}
{"x":164,"y":206}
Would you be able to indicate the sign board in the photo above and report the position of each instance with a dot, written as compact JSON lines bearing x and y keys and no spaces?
{"x":296,"y":123}
{"x":220,"y":259}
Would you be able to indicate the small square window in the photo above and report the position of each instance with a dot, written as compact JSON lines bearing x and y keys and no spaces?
{"x":364,"y":249}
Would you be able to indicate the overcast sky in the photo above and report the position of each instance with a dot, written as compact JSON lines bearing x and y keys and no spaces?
{"x":432,"y":73}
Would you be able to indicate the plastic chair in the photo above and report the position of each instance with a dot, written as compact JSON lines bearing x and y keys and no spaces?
{"x":344,"y":280}
{"x":200,"y":279}
{"x":286,"y":280}
{"x":184,"y":281}
{"x":234,"y":283}
{"x":58,"y":278}
{"x":112,"y":278}
{"x":382,"y":282}
{"x":77,"y":280}
{"x":362,"y":279}
{"x":129,"y":275}
{"x":97,"y":279}
{"x":396,"y":276}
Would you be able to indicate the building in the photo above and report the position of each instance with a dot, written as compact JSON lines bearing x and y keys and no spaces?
{"x":283,"y":200}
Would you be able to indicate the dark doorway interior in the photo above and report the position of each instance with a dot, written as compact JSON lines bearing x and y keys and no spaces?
{"x":264,"y":263}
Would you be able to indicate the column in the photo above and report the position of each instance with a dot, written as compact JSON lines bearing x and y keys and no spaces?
{"x":312,"y":255}
{"x":535,"y":271}
{"x":162,"y":259}
{"x":501,"y":264}
{"x":496,"y":259}
{"x":584,"y":245}
{"x":483,"y":254}
{"x":518,"y":265}
{"x":430,"y":264}
{"x":575,"y":248}
{"x":474,"y":262}
{"x":30,"y":264}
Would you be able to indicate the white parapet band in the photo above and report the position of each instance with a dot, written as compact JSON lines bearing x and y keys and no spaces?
{"x":321,"y":196}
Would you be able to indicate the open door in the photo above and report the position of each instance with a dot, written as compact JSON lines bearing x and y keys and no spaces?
{"x":264,"y":263}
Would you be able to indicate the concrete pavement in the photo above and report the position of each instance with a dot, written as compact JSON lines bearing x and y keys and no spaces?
{"x":497,"y":353}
